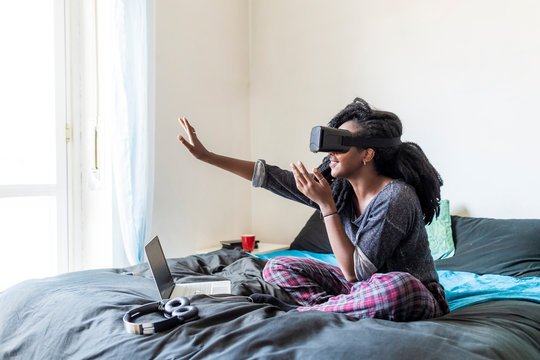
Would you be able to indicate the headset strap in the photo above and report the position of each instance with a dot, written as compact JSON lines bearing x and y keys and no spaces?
{"x":364,"y":142}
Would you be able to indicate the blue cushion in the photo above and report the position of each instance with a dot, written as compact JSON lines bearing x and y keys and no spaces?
{"x":439,"y":233}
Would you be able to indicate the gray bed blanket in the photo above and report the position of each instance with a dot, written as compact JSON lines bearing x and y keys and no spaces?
{"x":79,"y":316}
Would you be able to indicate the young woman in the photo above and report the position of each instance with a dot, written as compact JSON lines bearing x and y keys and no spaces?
{"x":375,"y":203}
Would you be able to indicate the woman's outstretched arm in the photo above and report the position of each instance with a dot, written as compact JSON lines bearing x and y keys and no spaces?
{"x":239,"y":167}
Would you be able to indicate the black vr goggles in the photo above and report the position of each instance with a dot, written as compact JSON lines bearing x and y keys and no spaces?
{"x":328,"y":139}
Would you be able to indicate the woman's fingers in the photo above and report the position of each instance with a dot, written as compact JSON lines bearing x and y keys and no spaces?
{"x":297,"y":175}
{"x":185,"y":125}
{"x":192,"y":143}
{"x":316,"y":189}
{"x":182,"y":122}
{"x":190,"y":130}
{"x":307,"y":176}
{"x":185,"y":142}
{"x":319,"y":176}
{"x":304,"y":181}
{"x":304,"y":172}
{"x":189,"y":127}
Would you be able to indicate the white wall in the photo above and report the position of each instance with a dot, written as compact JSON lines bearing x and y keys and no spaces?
{"x":462,"y":76}
{"x":202,"y":72}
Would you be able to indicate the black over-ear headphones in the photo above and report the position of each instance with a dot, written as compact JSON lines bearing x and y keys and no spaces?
{"x":177,"y":311}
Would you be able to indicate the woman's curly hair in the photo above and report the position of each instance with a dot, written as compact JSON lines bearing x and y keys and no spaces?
{"x":406,"y":161}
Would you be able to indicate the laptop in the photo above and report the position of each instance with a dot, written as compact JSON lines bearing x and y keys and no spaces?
{"x":167,"y":288}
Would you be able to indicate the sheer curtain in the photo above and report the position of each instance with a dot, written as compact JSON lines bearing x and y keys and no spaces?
{"x":123,"y":83}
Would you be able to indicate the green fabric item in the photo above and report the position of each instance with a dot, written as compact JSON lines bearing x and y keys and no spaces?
{"x":439,"y":233}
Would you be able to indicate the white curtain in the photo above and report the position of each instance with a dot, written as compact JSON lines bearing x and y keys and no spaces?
{"x":123,"y":35}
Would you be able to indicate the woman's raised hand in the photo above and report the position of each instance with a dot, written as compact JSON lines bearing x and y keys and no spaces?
{"x":318,"y":190}
{"x":194,"y":146}
{"x":239,"y":167}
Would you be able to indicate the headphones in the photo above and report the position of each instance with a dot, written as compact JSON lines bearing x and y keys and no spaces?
{"x":177,"y":311}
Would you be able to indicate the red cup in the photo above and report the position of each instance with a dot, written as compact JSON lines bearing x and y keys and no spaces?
{"x":248,"y":242}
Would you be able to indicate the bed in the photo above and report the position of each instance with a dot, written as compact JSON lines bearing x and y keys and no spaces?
{"x":491,"y":281}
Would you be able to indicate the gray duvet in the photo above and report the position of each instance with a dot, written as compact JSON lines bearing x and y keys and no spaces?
{"x":79,"y":316}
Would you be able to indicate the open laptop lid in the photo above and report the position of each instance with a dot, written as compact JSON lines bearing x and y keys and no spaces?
{"x":158,"y":264}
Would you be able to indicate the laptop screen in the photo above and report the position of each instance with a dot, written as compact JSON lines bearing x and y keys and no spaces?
{"x":159,"y":267}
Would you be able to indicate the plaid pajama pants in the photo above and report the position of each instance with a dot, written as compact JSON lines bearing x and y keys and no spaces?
{"x":315,"y":285}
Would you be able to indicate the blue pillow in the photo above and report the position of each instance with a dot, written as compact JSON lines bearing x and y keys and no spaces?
{"x":327,"y":258}
{"x":439,"y":233}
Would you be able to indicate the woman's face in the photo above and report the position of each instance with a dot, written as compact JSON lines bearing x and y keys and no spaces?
{"x":349,"y":164}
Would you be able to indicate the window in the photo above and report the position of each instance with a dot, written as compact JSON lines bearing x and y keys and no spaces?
{"x":33,"y":180}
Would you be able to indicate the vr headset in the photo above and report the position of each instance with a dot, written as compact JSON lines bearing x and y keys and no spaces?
{"x":328,"y":139}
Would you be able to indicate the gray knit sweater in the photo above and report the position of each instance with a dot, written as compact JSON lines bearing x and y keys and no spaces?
{"x":388,"y":236}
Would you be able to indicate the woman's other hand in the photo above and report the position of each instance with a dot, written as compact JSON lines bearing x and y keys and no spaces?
{"x":317,"y":191}
{"x":194,"y":146}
